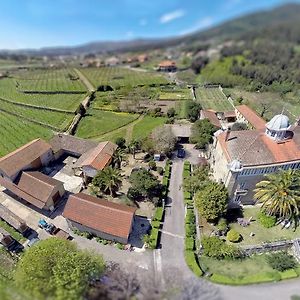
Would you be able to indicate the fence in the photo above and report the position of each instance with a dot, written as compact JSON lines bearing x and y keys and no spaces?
{"x":267,"y":247}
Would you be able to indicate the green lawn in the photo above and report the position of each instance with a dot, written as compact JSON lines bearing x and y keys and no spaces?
{"x":98,"y":122}
{"x":176,"y":94}
{"x":145,"y":127}
{"x":112,"y":136}
{"x":262,"y":234}
{"x":181,"y":109}
{"x":212,"y":98}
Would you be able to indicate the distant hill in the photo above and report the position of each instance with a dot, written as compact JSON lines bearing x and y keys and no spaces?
{"x":257,"y":22}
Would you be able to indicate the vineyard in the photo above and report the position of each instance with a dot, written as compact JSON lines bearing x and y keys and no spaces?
{"x":15,"y":132}
{"x":49,"y":81}
{"x":118,"y":77}
{"x":212,"y":98}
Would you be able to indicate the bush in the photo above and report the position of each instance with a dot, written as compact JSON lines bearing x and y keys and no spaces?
{"x":152,"y":165}
{"x":233,"y":236}
{"x":281,"y":261}
{"x":190,"y":230}
{"x":155,"y":224}
{"x":266,"y":221}
{"x":160,"y":170}
{"x":189,"y":244}
{"x":133,"y":194}
{"x":190,"y":217}
{"x":187,"y":195}
{"x":158,"y":216}
{"x":222,"y":226}
{"x":153,"y":238}
{"x":191,"y":261}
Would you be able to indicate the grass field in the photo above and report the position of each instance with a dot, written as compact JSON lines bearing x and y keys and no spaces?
{"x":175,"y":94}
{"x":145,"y":127}
{"x":15,"y":132}
{"x":98,"y":122}
{"x":43,"y":80}
{"x":274,"y":102}
{"x":212,"y":98}
{"x":68,"y":102}
{"x":118,"y":77}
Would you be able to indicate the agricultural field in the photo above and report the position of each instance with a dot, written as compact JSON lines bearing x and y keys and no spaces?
{"x":145,"y":126}
{"x":66,"y":102}
{"x":58,"y":120}
{"x":118,"y":77}
{"x":97,"y":122}
{"x":212,"y":98}
{"x":53,"y":81}
{"x":175,"y":94}
{"x":271,"y":103}
{"x":15,"y":132}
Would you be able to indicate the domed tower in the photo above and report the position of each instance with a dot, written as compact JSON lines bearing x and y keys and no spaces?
{"x":278,"y":126}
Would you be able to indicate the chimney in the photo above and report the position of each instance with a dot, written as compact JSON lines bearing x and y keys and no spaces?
{"x":227,"y":134}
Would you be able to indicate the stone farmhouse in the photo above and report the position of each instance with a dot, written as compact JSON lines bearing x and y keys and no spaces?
{"x":167,"y":66}
{"x":102,"y":218}
{"x":240,"y":159}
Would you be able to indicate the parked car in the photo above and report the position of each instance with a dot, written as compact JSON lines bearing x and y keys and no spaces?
{"x":181,"y":153}
{"x":53,"y":230}
{"x":33,"y":242}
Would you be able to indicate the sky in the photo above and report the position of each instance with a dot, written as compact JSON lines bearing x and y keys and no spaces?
{"x":46,"y":23}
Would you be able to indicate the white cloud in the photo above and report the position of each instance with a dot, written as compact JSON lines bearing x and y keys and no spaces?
{"x":201,"y":24}
{"x":143,"y":22}
{"x":129,"y":34}
{"x":171,"y":16}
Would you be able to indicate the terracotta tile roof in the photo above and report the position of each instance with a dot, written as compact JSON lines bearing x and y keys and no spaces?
{"x":253,"y":147}
{"x":18,"y":192}
{"x":167,"y":63}
{"x":251,"y":116}
{"x":15,"y":161}
{"x":38,"y":185}
{"x":229,"y":114}
{"x":211,"y":116}
{"x":69,"y":143}
{"x":98,"y":214}
{"x":98,"y":157}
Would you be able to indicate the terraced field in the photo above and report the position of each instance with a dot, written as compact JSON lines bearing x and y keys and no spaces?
{"x":212,"y":98}
{"x":67,"y":102}
{"x":118,"y":77}
{"x":58,"y":81}
{"x":14,"y":132}
{"x":98,"y":122}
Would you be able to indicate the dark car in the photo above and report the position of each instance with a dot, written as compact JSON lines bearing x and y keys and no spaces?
{"x":181,"y":153}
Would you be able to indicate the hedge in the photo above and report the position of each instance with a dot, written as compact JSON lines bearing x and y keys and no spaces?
{"x":187,"y":165}
{"x":250,"y":279}
{"x":190,"y":216}
{"x":189,"y":244}
{"x":155,"y":224}
{"x":186,"y":173}
{"x":159,"y":213}
{"x":288,"y":274}
{"x":153,"y":238}
{"x":187,"y":195}
{"x":191,"y":261}
{"x":190,"y":230}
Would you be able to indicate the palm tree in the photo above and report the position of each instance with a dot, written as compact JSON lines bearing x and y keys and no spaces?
{"x":280,"y":194}
{"x":118,"y":157}
{"x":133,"y":146}
{"x":108,"y":180}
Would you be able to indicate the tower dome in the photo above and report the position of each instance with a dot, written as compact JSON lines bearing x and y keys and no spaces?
{"x":279,"y":123}
{"x":276,"y":129}
{"x":235,"y":166}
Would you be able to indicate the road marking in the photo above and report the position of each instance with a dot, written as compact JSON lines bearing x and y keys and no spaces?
{"x":172,"y":234}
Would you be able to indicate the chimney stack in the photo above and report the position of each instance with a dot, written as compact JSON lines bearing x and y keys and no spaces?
{"x":227,"y":134}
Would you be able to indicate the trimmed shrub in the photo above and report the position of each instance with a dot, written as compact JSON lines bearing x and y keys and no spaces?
{"x":233,"y":236}
{"x":160,"y":170}
{"x":222,"y":226}
{"x":281,"y":261}
{"x":191,"y":261}
{"x":158,"y":216}
{"x":155,"y":224}
{"x":190,"y":217}
{"x":190,"y":230}
{"x":189,"y":244}
{"x":153,"y":238}
{"x":266,"y":221}
{"x":187,"y":195}
{"x":152,"y":165}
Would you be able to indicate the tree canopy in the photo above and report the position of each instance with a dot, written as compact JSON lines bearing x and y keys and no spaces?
{"x":164,"y":139}
{"x":202,"y":133}
{"x":56,"y":269}
{"x":193,"y":110}
{"x":212,"y":200}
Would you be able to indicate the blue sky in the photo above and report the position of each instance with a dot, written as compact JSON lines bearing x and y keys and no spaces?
{"x":40,"y":23}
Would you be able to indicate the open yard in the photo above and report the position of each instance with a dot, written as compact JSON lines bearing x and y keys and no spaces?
{"x":145,"y":127}
{"x":98,"y":122}
{"x":175,"y":94}
{"x":212,"y":98}
{"x":117,"y":77}
{"x":262,"y":234}
{"x":274,"y":103}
